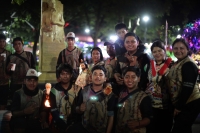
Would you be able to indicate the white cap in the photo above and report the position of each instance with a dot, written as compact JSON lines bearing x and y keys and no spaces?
{"x":31,"y":73}
{"x":71,"y":34}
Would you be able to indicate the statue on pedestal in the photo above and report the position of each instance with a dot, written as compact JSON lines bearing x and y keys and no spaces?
{"x":52,"y":21}
{"x":51,"y":36}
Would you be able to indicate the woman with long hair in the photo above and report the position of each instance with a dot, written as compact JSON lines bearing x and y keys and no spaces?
{"x":97,"y":57}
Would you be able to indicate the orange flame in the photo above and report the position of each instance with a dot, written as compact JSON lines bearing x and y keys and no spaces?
{"x":47,"y":103}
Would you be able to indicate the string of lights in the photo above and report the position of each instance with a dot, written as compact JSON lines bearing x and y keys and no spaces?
{"x":192,"y":34}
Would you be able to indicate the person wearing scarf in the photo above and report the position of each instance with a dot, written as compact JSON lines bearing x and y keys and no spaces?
{"x":158,"y":91}
{"x":26,"y":106}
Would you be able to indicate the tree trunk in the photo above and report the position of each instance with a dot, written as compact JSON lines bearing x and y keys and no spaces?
{"x":95,"y":41}
{"x":134,"y":25}
{"x":94,"y":37}
{"x":36,"y":37}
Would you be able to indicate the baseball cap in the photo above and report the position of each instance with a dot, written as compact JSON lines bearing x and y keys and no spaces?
{"x":32,"y":73}
{"x":71,"y":35}
{"x":108,"y":43}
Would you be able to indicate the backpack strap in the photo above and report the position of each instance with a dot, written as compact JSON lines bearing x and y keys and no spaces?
{"x":28,"y":54}
{"x":24,"y":59}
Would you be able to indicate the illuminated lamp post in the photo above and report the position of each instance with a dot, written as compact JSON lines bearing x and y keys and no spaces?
{"x":145,"y":19}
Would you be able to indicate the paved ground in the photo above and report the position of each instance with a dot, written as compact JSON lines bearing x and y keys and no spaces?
{"x":196,"y":128}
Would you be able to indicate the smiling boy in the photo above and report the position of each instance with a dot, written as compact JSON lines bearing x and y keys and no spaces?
{"x":96,"y":106}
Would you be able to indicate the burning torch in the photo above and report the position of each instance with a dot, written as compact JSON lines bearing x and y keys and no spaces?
{"x":48,"y":89}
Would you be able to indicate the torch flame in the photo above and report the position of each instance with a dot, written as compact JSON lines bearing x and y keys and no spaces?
{"x":47,"y":103}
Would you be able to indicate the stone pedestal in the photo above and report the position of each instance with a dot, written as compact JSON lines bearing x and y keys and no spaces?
{"x":51,"y":39}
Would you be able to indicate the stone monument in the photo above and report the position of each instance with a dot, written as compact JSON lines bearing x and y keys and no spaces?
{"x":51,"y":39}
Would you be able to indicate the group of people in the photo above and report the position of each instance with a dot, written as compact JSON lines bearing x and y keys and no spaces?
{"x":126,"y":93}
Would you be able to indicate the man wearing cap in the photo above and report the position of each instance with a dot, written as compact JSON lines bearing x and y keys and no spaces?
{"x":71,"y":55}
{"x":26,"y":106}
{"x":4,"y":78}
{"x":110,"y":63}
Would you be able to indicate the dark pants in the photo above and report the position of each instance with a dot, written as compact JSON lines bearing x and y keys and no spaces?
{"x":162,"y":120}
{"x":25,"y":125}
{"x":184,"y":120}
{"x":77,"y":128}
{"x":4,"y":90}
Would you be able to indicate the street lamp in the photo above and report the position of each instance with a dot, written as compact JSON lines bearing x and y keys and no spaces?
{"x":178,"y":36}
{"x":113,"y":38}
{"x":145,"y":19}
{"x":87,"y":30}
{"x":76,"y":39}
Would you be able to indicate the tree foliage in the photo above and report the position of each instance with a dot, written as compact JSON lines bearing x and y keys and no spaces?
{"x":100,"y":16}
{"x":19,"y":2}
{"x":22,"y":19}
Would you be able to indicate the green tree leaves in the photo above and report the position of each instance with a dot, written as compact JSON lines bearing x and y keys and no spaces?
{"x":19,"y":2}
